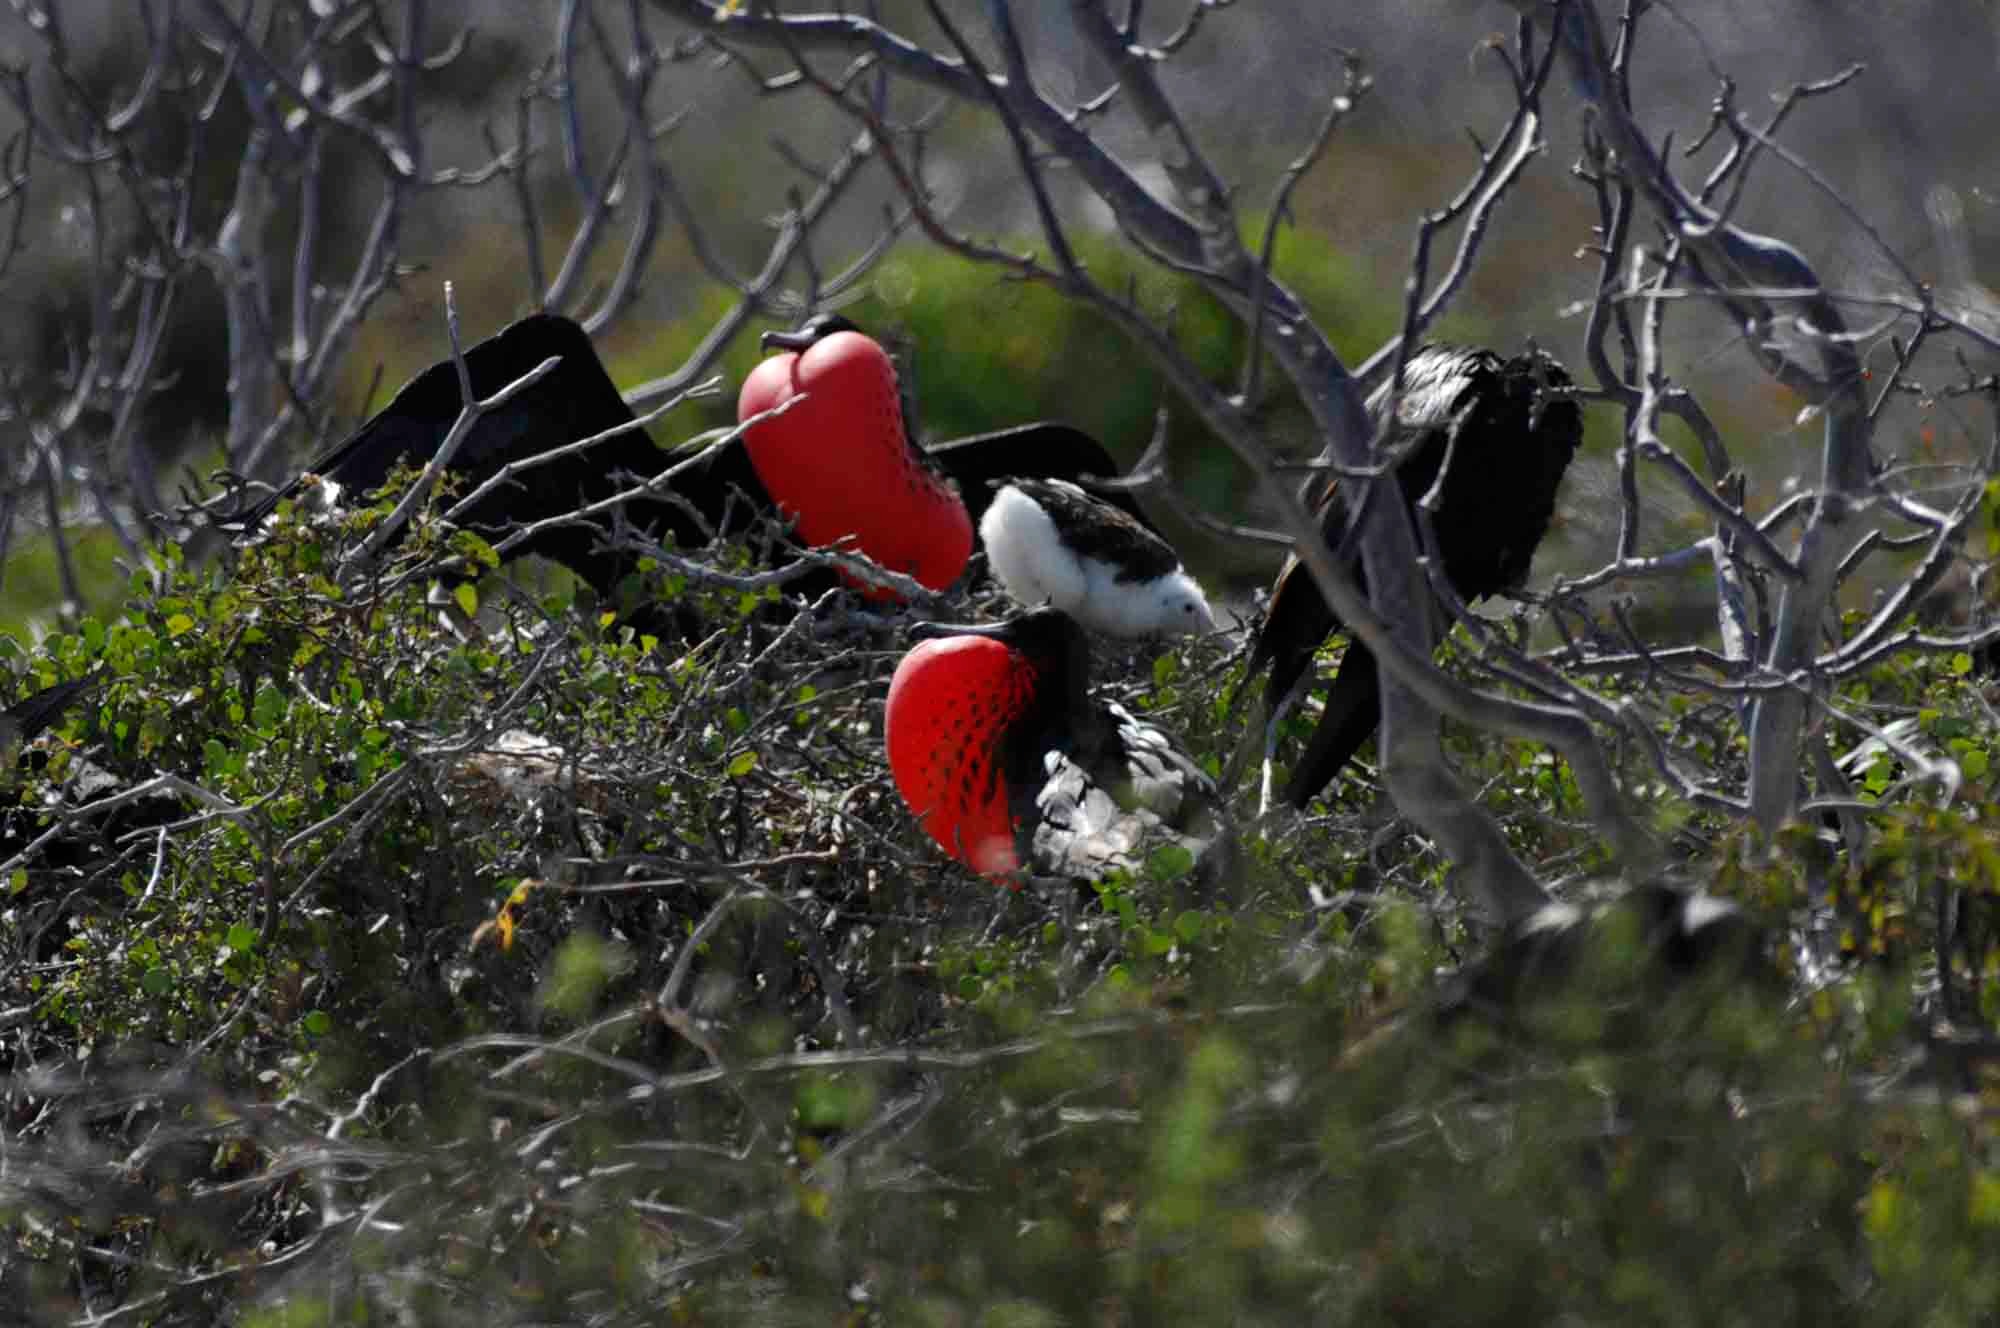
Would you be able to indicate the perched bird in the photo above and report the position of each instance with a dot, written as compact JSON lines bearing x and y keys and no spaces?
{"x":1511,"y":438}
{"x":576,"y":400}
{"x":996,"y":743}
{"x":721,"y":490}
{"x":841,"y":461}
{"x":1050,"y":542}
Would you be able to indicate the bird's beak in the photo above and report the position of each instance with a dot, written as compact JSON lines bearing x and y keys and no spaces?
{"x":799,"y":340}
{"x":931,"y":631}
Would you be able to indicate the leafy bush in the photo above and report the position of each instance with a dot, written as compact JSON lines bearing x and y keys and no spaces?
{"x":558,"y":973}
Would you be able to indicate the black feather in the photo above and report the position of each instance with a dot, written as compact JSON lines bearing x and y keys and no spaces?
{"x":1045,"y":450}
{"x":578,"y":400}
{"x":1096,"y":529}
{"x":1515,"y":440}
{"x":24,"y":721}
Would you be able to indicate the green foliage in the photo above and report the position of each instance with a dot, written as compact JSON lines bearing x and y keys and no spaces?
{"x":610,"y":976}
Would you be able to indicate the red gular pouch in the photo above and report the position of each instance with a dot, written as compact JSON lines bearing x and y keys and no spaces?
{"x":841,"y":464}
{"x":950,"y":706}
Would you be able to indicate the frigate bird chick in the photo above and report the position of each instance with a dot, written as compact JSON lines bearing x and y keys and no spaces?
{"x":1049,"y":542}
{"x":1011,"y":765}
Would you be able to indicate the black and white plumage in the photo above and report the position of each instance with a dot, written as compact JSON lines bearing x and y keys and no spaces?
{"x":996,"y":743}
{"x":1514,"y":433}
{"x":1050,"y":542}
{"x":1046,"y":449}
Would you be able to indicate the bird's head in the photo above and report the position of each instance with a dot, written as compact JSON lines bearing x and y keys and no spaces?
{"x":1183,"y":608}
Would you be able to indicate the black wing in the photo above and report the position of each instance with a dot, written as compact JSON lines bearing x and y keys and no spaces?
{"x":1044,"y":450}
{"x":1684,"y":936}
{"x":1515,"y":440}
{"x":575,"y":400}
{"x":1096,"y":529}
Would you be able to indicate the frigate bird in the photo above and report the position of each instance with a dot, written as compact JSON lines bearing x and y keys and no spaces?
{"x":1012,"y":766}
{"x":720,"y":490}
{"x":1511,"y":433}
{"x":574,"y":401}
{"x":1050,"y":542}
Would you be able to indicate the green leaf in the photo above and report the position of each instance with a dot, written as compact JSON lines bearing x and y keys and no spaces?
{"x":468,"y":599}
{"x":1973,"y":762}
{"x":180,"y":622}
{"x":318,"y":1023}
{"x":1961,"y":664}
{"x":242,"y":938}
{"x":744,"y":763}
{"x":475,"y":548}
{"x":1189,"y":925}
{"x":269,"y":707}
{"x":156,"y":981}
{"x":1885,"y":1209}
{"x":1169,"y":862}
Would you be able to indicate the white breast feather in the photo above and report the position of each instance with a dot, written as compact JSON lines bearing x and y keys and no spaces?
{"x":1028,"y":556}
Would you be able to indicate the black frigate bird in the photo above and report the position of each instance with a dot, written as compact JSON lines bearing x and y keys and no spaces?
{"x":578,"y":400}
{"x":1011,"y":765}
{"x":1515,"y":434}
{"x":575,"y":400}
